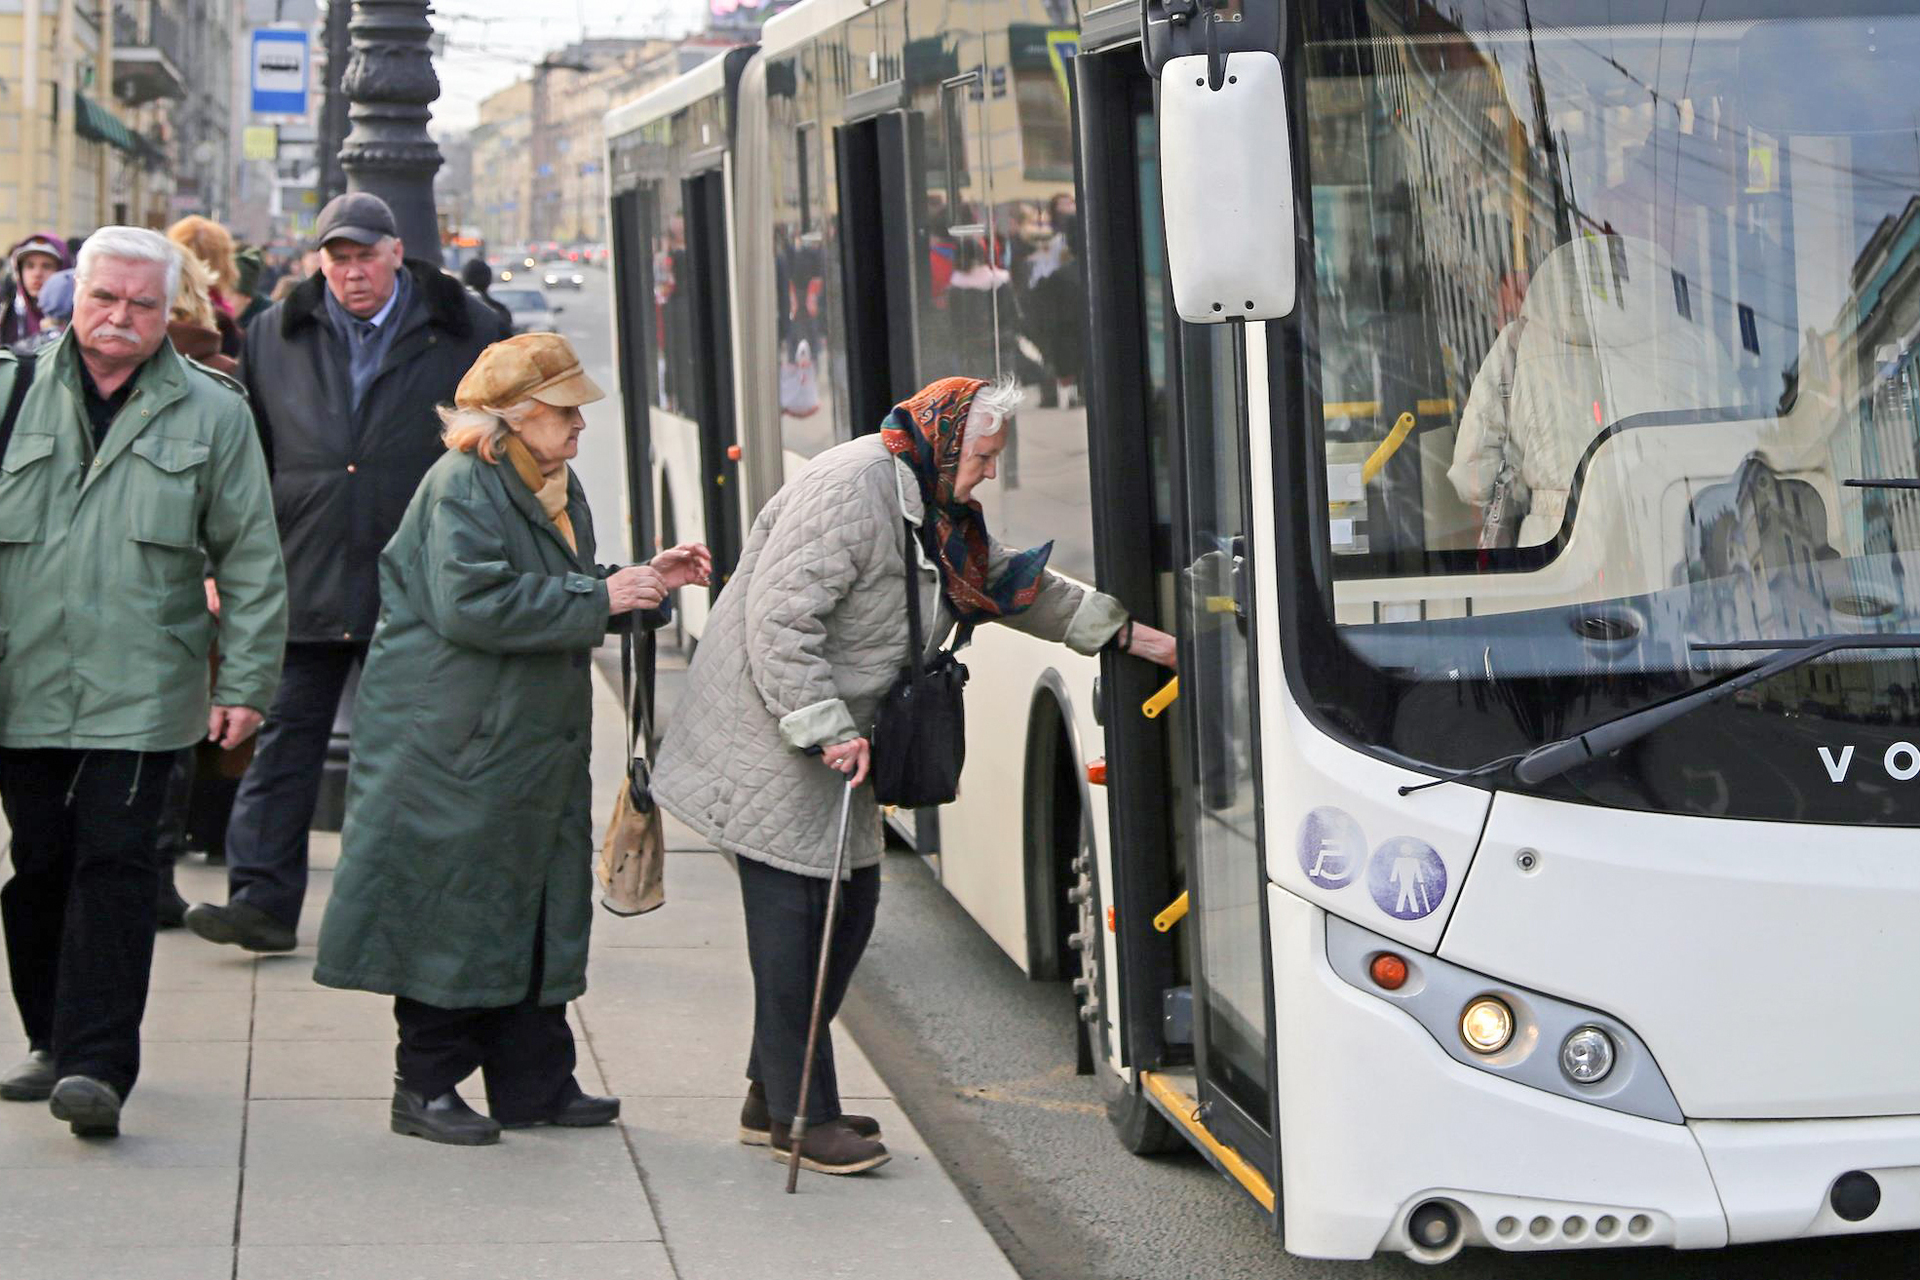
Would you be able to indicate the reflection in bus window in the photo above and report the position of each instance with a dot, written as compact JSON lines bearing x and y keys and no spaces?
{"x":800,"y":262}
{"x":672,"y":330}
{"x":1647,"y":302}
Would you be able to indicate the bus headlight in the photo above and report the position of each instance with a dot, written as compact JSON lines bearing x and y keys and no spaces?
{"x":1587,"y":1055}
{"x":1486,"y":1025}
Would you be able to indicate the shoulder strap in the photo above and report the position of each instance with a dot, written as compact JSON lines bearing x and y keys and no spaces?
{"x":636,"y":689}
{"x":916,"y":655}
{"x":22,"y":379}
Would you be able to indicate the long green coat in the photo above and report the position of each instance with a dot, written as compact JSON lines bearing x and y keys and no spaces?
{"x":103,"y":616}
{"x":468,"y":797}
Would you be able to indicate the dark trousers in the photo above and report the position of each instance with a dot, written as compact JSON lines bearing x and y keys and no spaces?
{"x":786,"y":917}
{"x":524,"y":1051}
{"x":79,"y":910}
{"x":170,"y":841}
{"x":267,"y":835}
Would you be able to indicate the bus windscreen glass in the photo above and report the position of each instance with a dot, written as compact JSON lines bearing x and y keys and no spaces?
{"x":1610,"y":357}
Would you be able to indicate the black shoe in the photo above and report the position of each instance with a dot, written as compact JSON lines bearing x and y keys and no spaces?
{"x":446,"y":1118}
{"x":239,"y":925}
{"x":582,"y":1111}
{"x":173,"y":908}
{"x":832,"y":1148}
{"x":90,"y":1107}
{"x":756,"y":1123}
{"x":32,"y":1080}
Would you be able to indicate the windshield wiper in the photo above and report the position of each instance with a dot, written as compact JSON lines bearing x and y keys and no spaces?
{"x":1877,"y":483}
{"x":1555,"y":758}
{"x":1552,"y":759}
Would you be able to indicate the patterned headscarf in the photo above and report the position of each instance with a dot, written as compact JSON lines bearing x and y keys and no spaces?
{"x":929,"y":431}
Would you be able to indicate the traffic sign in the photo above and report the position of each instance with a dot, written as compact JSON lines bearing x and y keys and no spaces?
{"x":280,"y":64}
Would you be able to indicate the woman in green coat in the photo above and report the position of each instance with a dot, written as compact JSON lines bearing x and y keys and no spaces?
{"x":464,"y":888}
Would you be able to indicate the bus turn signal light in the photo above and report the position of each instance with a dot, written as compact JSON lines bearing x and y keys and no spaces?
{"x":1097,"y":772}
{"x":1389,"y":971}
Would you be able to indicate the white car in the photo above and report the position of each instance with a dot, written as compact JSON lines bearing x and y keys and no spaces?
{"x":563,"y":275}
{"x":531,"y":311}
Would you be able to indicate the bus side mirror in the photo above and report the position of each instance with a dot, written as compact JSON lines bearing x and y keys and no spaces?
{"x":1226,"y":189}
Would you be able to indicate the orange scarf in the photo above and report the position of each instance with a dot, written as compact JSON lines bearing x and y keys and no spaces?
{"x":551,"y":490}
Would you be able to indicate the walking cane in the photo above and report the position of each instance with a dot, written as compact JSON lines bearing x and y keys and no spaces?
{"x":799,"y":1129}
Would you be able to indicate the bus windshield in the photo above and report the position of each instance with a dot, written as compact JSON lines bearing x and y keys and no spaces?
{"x":1610,"y":362}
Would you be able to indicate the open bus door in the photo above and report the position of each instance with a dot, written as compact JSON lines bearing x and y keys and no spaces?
{"x":632,"y":301}
{"x":1172,"y":542}
{"x":873,"y":164}
{"x":705,"y":202}
{"x":873,"y":168}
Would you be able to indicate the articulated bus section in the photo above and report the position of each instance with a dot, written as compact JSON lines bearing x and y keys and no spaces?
{"x":1511,"y":410}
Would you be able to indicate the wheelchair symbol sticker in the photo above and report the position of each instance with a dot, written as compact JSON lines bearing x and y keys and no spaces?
{"x":1407,"y":878}
{"x":1330,"y":847}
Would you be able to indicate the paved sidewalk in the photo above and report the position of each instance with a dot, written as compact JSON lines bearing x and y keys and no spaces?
{"x":256,"y":1147}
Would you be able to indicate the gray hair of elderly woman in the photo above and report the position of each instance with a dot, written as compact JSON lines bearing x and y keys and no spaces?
{"x":131,"y":244}
{"x":1002,"y":398}
{"x":482,"y":431}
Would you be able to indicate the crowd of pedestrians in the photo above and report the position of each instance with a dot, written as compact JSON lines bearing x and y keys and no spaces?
{"x":210,"y":505}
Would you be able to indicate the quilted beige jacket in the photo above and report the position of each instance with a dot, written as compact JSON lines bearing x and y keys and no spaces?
{"x":806,"y":637}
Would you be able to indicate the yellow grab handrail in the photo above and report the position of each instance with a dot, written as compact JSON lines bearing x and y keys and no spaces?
{"x":1160,"y":701}
{"x":1176,"y":912}
{"x":1402,"y":428}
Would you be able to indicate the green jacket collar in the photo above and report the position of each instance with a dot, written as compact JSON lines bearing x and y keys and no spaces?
{"x":159,"y":383}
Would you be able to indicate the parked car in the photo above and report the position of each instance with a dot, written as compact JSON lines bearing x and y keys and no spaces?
{"x":531,"y":311}
{"x":563,"y":275}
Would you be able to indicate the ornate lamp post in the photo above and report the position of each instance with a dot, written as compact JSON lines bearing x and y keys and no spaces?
{"x":390,"y":83}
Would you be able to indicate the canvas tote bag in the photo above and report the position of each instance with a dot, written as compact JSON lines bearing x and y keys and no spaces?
{"x":633,"y":857}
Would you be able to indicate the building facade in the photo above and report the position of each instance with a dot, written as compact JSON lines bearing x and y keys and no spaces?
{"x":501,"y":199}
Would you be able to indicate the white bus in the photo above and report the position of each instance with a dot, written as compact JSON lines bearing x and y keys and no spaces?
{"x":1510,"y":404}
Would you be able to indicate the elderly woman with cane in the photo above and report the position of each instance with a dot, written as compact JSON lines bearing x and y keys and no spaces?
{"x":801,"y":645}
{"x":464,"y":888}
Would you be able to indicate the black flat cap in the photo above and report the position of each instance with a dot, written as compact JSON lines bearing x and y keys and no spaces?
{"x":359,"y":216}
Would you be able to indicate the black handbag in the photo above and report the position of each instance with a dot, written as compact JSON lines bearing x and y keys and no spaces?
{"x":920,"y":729}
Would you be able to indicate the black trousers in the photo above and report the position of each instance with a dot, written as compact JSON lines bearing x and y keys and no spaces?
{"x":524,"y":1051}
{"x":267,"y":835}
{"x":79,"y":910}
{"x":786,"y":917}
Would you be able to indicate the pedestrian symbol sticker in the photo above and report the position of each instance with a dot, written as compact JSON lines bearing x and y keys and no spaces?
{"x":1331,"y":847}
{"x":1407,"y":878}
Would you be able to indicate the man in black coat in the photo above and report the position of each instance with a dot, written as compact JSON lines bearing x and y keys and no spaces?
{"x":345,"y":375}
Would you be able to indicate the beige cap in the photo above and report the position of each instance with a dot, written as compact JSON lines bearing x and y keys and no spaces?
{"x":532,"y":366}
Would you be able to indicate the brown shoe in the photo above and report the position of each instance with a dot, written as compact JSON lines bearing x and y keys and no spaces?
{"x":756,"y":1122}
{"x":832,"y":1148}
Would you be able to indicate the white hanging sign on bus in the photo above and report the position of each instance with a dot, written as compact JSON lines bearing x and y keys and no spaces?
{"x":280,"y":72}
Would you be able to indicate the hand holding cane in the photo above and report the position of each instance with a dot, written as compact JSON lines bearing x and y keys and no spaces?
{"x":798,"y":1131}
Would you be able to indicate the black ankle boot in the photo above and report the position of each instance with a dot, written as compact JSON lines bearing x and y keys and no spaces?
{"x":446,"y":1118}
{"x":756,"y":1122}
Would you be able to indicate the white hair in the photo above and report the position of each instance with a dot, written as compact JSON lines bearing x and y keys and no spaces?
{"x":1001,"y":399}
{"x":131,"y":244}
{"x":482,"y":431}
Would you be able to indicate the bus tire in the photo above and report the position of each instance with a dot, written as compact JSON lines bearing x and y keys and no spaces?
{"x":1138,"y":1123}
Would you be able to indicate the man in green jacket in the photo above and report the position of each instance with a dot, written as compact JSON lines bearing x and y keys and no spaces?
{"x":132,"y":474}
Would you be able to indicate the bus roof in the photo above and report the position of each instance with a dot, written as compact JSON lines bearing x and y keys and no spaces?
{"x":677,"y":94}
{"x":807,"y":19}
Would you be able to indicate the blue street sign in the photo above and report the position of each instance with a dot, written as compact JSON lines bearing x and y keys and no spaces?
{"x":280,"y":72}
